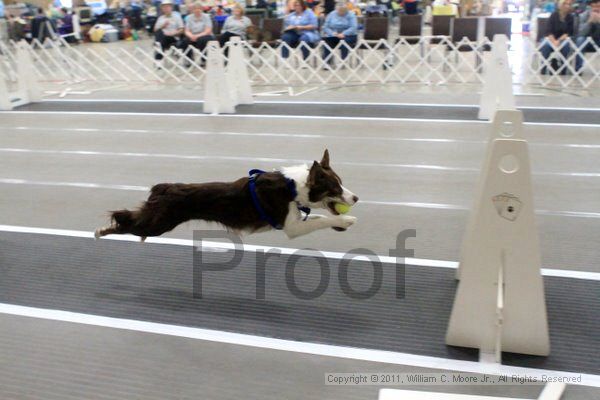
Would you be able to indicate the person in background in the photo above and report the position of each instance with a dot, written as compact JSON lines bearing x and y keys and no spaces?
{"x":340,"y":26}
{"x":410,"y":7}
{"x":65,"y":23}
{"x":135,"y":14}
{"x":353,"y":8}
{"x":235,"y":25}
{"x":299,"y":26}
{"x":207,"y":5}
{"x":289,"y":6}
{"x":328,"y":6}
{"x":40,"y":26}
{"x":561,"y":26}
{"x":168,"y":27}
{"x":589,"y":28}
{"x":198,"y":30}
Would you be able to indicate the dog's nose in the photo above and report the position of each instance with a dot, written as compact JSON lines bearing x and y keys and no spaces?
{"x":355,"y":198}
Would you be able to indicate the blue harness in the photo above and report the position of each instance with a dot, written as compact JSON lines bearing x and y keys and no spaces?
{"x":253,"y":175}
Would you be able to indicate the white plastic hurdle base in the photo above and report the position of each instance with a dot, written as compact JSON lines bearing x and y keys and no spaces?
{"x":497,"y":81}
{"x":506,"y":124}
{"x":499,"y":304}
{"x":237,"y":73}
{"x":28,"y":90}
{"x":552,"y":391}
{"x":217,"y":90}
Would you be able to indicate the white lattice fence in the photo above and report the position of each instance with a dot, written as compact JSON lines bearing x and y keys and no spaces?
{"x":426,"y":60}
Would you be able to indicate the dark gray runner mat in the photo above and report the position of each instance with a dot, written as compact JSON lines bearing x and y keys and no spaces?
{"x":326,"y":110}
{"x":154,"y":282}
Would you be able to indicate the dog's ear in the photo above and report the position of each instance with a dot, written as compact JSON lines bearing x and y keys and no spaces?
{"x":325,"y":160}
{"x":316,"y":171}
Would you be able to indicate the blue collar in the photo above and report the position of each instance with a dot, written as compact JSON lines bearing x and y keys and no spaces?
{"x":253,"y":175}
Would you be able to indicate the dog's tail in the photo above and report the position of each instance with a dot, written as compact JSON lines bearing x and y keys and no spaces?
{"x":122,"y":218}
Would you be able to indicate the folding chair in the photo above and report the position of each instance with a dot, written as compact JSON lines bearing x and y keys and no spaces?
{"x":440,"y":26}
{"x":411,"y":27}
{"x":376,"y":29}
{"x":465,"y":28}
{"x":496,"y":26}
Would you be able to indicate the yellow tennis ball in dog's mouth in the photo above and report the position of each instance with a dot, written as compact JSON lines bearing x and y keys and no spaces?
{"x":342,"y":208}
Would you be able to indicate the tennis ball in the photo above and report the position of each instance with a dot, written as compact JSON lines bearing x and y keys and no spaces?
{"x":342,"y":208}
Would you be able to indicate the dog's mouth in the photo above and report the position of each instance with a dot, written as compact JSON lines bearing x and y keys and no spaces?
{"x":331,"y":207}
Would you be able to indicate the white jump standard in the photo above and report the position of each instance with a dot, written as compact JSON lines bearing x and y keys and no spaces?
{"x":28,"y":90}
{"x":499,"y":304}
{"x":497,"y":81}
{"x":225,"y":89}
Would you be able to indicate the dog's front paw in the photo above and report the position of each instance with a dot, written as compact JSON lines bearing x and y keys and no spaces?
{"x":316,"y":216}
{"x":343,"y":222}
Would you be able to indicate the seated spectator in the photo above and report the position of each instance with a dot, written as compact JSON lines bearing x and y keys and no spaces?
{"x":207,"y":5}
{"x":353,"y":8}
{"x":311,"y":4}
{"x":590,"y":28}
{"x":198,"y":29}
{"x":40,"y":26}
{"x":65,"y":23}
{"x":263,"y":4}
{"x":561,"y":26}
{"x":235,"y":25}
{"x":135,"y":14}
{"x":340,"y":26}
{"x":328,"y":6}
{"x":410,"y":7}
{"x":299,"y":27}
{"x":168,"y":27}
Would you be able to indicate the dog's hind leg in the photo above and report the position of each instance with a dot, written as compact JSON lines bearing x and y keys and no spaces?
{"x":122,"y":221}
{"x":107,"y":230}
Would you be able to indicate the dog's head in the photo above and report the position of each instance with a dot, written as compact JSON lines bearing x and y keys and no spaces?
{"x":325,"y":187}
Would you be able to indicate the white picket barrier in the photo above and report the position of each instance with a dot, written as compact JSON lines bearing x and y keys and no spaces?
{"x":27,"y":87}
{"x":500,"y":304}
{"x":497,"y":82}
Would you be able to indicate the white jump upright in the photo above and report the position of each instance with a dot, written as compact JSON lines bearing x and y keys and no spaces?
{"x":237,"y":73}
{"x":552,"y":391}
{"x":217,"y":91}
{"x":28,"y":90}
{"x":506,"y":124}
{"x":500,"y":304}
{"x":497,"y":81}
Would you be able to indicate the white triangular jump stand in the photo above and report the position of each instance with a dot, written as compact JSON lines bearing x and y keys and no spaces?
{"x":237,"y":73}
{"x":28,"y":90}
{"x":217,"y":91}
{"x":552,"y":391}
{"x":5,"y":98}
{"x":506,"y":124}
{"x":500,"y":304}
{"x":497,"y":81}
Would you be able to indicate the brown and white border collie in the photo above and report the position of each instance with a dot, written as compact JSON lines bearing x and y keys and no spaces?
{"x":231,"y":204}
